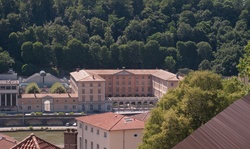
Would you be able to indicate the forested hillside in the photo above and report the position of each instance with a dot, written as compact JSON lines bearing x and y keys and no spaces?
{"x":169,"y":34}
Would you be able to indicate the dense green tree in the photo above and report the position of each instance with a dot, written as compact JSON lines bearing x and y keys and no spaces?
{"x":28,"y":69}
{"x":27,"y":52}
{"x":197,"y":99}
{"x":5,"y":61}
{"x":57,"y":88}
{"x":151,"y":51}
{"x":32,"y":88}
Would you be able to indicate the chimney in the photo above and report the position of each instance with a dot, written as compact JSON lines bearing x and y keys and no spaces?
{"x":77,"y":69}
{"x":93,"y":77}
{"x":70,"y":139}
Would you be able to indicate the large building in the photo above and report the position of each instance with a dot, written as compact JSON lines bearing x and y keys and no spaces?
{"x":124,"y":89}
{"x":109,"y":131}
{"x":9,"y":92}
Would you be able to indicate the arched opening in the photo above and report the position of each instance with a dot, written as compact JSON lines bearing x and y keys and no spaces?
{"x":47,"y":106}
{"x":115,"y":104}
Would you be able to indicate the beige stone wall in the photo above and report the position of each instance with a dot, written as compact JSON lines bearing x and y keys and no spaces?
{"x":125,"y":139}
{"x":92,"y":136}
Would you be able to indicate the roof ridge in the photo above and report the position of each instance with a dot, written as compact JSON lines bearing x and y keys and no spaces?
{"x":35,"y":141}
{"x":117,"y":122}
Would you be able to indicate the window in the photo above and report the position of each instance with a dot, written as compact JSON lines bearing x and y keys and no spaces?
{"x":99,"y":91}
{"x":99,"y":97}
{"x":123,"y":89}
{"x":83,"y":84}
{"x":142,"y":89}
{"x":117,"y":82}
{"x":129,"y":82}
{"x":142,"y":82}
{"x":149,"y":77}
{"x":74,"y":107}
{"x":86,"y":144}
{"x":91,"y":91}
{"x":13,"y":87}
{"x":137,"y":77}
{"x":74,"y":101}
{"x":83,"y":98}
{"x":110,"y":89}
{"x":92,"y":129}
{"x":129,"y":77}
{"x":137,"y":82}
{"x":80,"y":125}
{"x":142,"y":77}
{"x":99,"y":84}
{"x":2,"y":87}
{"x":123,"y":82}
{"x":117,"y":89}
{"x":65,"y":107}
{"x":91,"y":97}
{"x":29,"y":107}
{"x":99,"y":107}
{"x":108,"y":107}
{"x":97,"y":131}
{"x":137,"y":89}
{"x":86,"y":127}
{"x":97,"y":146}
{"x":149,"y":89}
{"x":105,"y":134}
{"x":123,"y":77}
{"x":7,"y":87}
{"x":91,"y":84}
{"x":91,"y":107}
{"x":83,"y":91}
{"x":80,"y":140}
{"x":91,"y":145}
{"x":129,"y":89}
{"x":117,"y":77}
{"x":172,"y":84}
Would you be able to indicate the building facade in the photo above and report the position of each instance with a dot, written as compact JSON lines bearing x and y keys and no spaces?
{"x":9,"y":92}
{"x":124,"y":89}
{"x":109,"y":131}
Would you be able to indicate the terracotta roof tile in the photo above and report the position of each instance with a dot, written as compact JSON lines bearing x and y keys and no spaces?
{"x":6,"y":142}
{"x":86,"y":75}
{"x":64,"y":95}
{"x":111,"y":121}
{"x":34,"y":142}
{"x":228,"y":129}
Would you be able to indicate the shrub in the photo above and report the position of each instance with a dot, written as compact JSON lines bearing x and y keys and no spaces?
{"x":61,"y":113}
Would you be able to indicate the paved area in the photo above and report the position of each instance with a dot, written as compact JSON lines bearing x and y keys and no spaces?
{"x":49,"y":128}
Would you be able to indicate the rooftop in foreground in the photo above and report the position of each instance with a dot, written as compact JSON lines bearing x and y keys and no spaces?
{"x":228,"y":129}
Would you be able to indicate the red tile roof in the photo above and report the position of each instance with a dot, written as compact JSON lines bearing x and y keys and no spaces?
{"x":63,"y":95}
{"x":6,"y":142}
{"x":228,"y":129}
{"x":34,"y":142}
{"x":111,"y":121}
{"x":87,"y":74}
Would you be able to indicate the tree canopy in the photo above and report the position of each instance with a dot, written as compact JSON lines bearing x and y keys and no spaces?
{"x":197,"y":99}
{"x":206,"y":34}
{"x":57,"y":88}
{"x":32,"y":88}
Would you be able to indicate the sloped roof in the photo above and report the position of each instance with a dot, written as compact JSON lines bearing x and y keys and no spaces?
{"x":112,"y":122}
{"x":34,"y":142}
{"x":141,"y":116}
{"x":83,"y":75}
{"x":6,"y":142}
{"x":62,"y":95}
{"x":87,"y":74}
{"x":229,"y":129}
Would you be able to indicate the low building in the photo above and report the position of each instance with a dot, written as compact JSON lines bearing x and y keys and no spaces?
{"x":229,"y":129}
{"x":109,"y":131}
{"x":48,"y":103}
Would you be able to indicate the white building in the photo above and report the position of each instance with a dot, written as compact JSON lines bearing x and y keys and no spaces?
{"x":109,"y":131}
